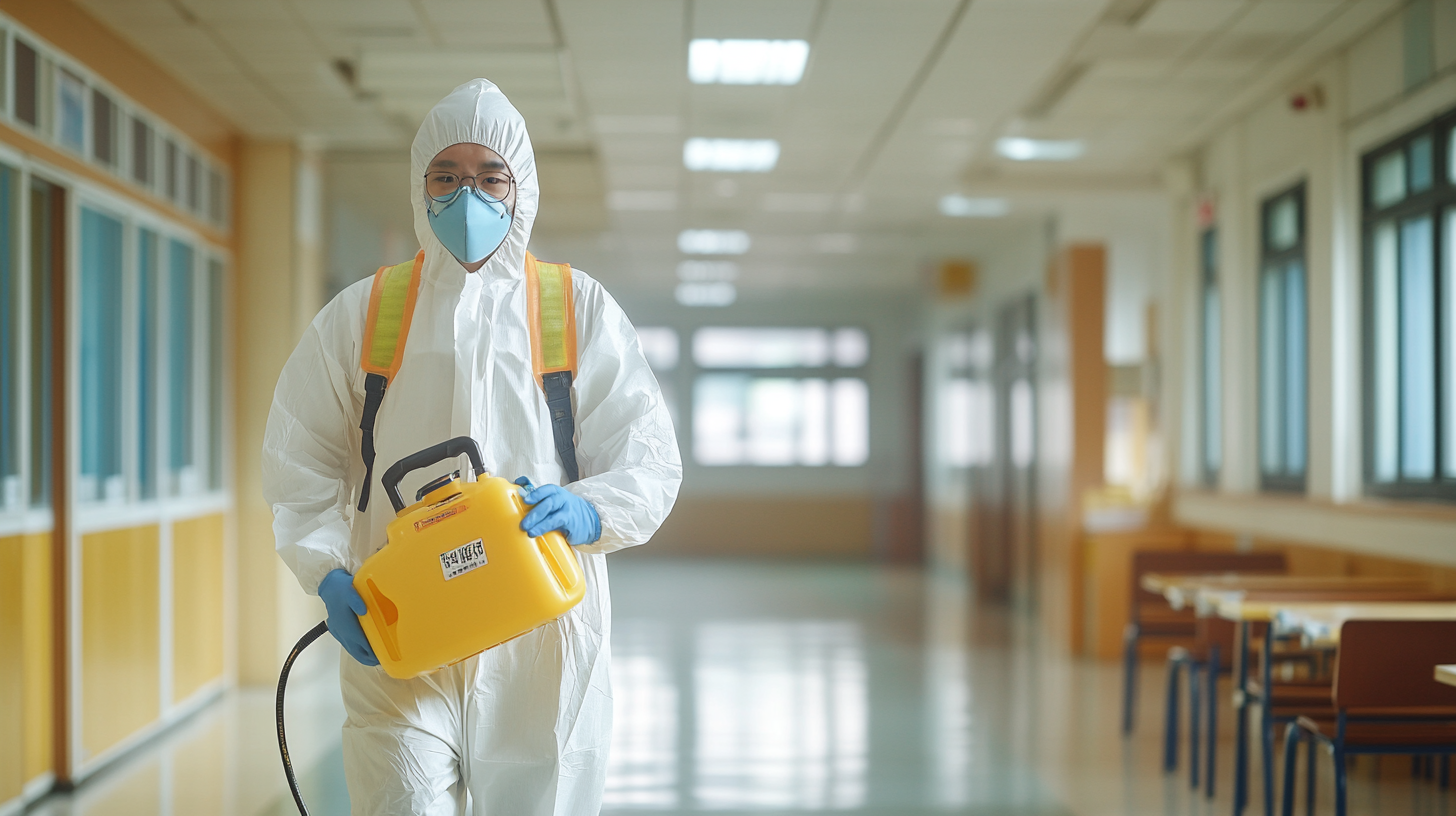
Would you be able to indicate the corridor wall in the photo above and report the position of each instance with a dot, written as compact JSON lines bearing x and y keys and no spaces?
{"x":115,"y":458}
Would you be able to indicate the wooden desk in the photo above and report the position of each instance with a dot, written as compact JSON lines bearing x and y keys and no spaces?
{"x":1320,"y":622}
{"x":1181,"y":590}
{"x":1446,"y":674}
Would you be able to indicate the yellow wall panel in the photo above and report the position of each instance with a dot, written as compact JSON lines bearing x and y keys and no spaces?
{"x":120,"y":642}
{"x":197,"y":604}
{"x":37,"y":649}
{"x":11,"y":674}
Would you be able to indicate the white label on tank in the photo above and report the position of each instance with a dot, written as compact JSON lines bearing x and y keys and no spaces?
{"x":461,"y":560}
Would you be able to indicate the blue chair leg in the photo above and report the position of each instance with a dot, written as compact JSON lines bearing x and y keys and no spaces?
{"x":1291,"y":757}
{"x":1212,"y":720}
{"x":1311,"y":766}
{"x":1195,"y":713}
{"x":1129,"y":675}
{"x":1340,"y":774}
{"x":1267,"y":738}
{"x":1170,"y":732}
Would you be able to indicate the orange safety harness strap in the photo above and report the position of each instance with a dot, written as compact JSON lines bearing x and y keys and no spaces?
{"x":391,"y":307}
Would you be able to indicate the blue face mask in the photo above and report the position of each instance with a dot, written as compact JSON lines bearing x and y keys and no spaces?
{"x":469,"y":223}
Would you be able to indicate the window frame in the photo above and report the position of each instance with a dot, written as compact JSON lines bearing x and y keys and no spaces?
{"x":1436,"y":201}
{"x":1283,"y":482}
{"x":831,"y":372}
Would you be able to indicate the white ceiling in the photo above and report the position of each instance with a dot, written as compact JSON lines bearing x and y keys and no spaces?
{"x":901,"y":103}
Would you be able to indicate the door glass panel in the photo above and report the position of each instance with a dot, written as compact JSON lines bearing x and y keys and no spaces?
{"x":215,"y":364}
{"x":103,"y":128}
{"x":99,"y":398}
{"x":1294,"y":368}
{"x":1384,"y":311}
{"x":1448,"y":344}
{"x":10,"y":302}
{"x":1387,"y":182}
{"x":1418,"y":345}
{"x":141,"y":152}
{"x":1212,"y":382}
{"x":148,"y":265}
{"x":1282,"y":231}
{"x":179,"y":367}
{"x":47,"y":230}
{"x":1271,"y":358}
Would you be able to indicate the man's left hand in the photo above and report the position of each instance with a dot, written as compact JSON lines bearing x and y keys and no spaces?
{"x":556,"y":508}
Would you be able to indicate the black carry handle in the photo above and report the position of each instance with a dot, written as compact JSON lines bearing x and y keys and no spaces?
{"x":435,"y":453}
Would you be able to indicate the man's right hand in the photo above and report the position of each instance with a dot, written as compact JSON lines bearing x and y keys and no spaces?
{"x":344,"y":607}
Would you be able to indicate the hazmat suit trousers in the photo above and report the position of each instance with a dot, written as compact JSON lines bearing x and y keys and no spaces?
{"x":485,"y":728}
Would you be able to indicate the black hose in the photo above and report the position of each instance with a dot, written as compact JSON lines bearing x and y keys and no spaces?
{"x":303,"y":643}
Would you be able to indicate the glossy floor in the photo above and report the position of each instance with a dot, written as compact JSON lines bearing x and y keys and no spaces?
{"x":778,"y":688}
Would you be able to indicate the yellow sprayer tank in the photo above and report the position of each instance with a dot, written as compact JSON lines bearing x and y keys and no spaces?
{"x":459,"y":575}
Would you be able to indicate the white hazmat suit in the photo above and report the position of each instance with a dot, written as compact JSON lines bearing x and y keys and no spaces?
{"x":523,"y":728}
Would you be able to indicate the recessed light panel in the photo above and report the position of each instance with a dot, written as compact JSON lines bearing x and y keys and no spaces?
{"x":1019,"y":149}
{"x":706,"y":294}
{"x":731,"y":155}
{"x":747,"y":62}
{"x":713,"y":242}
{"x":701,"y":271}
{"x":959,"y":206}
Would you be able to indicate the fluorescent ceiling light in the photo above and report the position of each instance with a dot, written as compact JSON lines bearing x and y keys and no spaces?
{"x":720,"y":293}
{"x":747,"y":62}
{"x":700,"y":271}
{"x":713,"y":242}
{"x":731,"y":155}
{"x":959,"y":206}
{"x":1019,"y":149}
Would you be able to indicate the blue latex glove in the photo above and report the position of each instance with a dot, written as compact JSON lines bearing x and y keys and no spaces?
{"x":557,"y":508}
{"x":345,"y":606}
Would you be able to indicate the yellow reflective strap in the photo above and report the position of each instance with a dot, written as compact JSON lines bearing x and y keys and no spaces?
{"x":552,"y":312}
{"x":391,"y":307}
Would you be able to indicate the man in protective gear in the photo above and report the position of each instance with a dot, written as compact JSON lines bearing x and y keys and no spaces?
{"x":521,"y":729}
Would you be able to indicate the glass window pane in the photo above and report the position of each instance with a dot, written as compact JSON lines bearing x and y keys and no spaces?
{"x":215,"y":370}
{"x":1282,"y":231}
{"x":1451,"y":155}
{"x":103,"y":128}
{"x":718,"y":419}
{"x":1295,"y":357}
{"x":148,"y":272}
{"x":1418,"y":350}
{"x":1023,"y":424}
{"x":659,"y":346}
{"x":141,"y":152}
{"x":179,"y":367}
{"x":760,"y":348}
{"x":46,"y":231}
{"x":1387,"y":182}
{"x":27,"y":84}
{"x":1386,"y":398}
{"x":1271,"y":375}
{"x":9,"y":338}
{"x":170,"y":186}
{"x":1212,"y":381}
{"x":194,"y":184}
{"x":99,"y":376}
{"x":851,"y":422}
{"x":1422,"y":173}
{"x":851,"y":348}
{"x":1448,"y":345}
{"x":71,"y":125}
{"x":214,"y":196}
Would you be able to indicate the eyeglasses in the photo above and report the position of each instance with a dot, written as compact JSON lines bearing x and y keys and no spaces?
{"x":442,"y":184}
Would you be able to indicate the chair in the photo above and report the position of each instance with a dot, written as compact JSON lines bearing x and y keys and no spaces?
{"x":1386,"y":701}
{"x":1151,"y":618}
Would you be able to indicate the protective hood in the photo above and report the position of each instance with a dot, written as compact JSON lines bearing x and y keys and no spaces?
{"x":476,"y":112}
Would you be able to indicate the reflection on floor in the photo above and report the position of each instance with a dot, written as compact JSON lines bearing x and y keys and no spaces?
{"x":777,"y":688}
